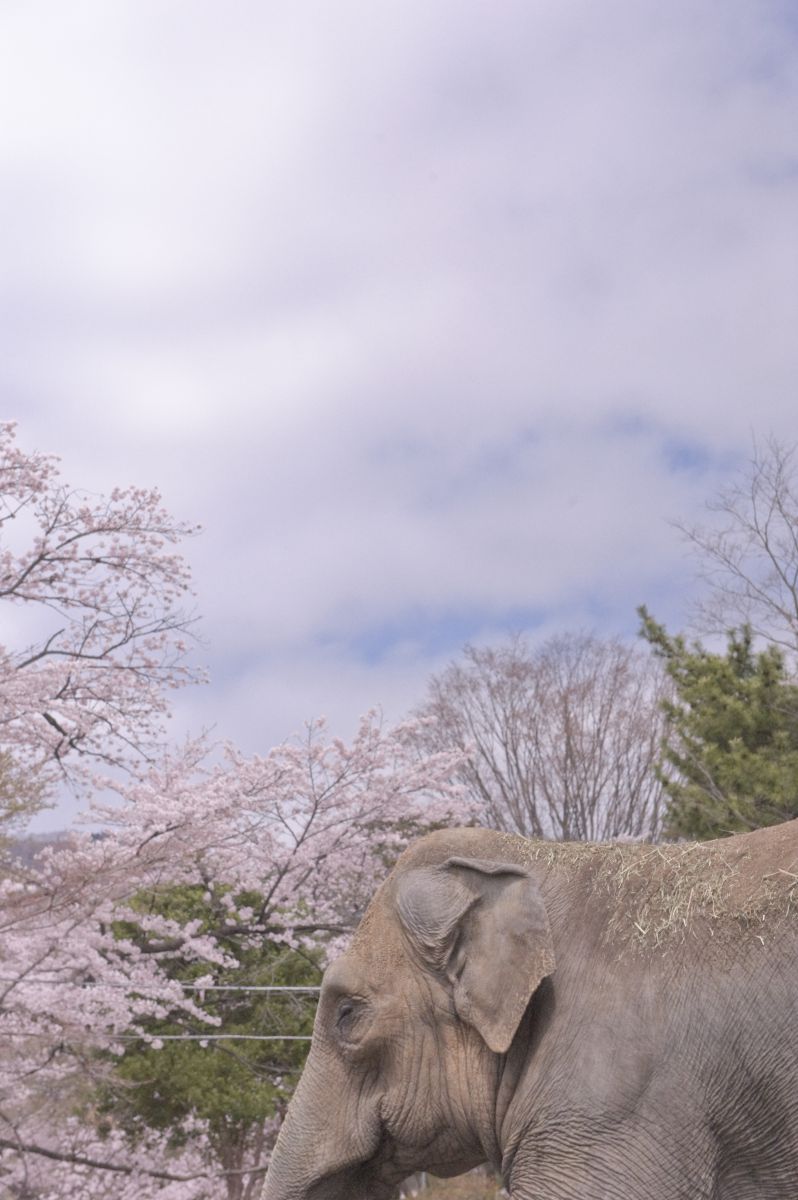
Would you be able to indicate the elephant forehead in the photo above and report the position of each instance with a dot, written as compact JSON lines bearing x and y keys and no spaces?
{"x":378,"y":942}
{"x":345,"y":974}
{"x":368,"y":966}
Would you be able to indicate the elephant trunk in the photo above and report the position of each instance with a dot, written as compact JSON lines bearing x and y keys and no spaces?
{"x":326,"y":1137}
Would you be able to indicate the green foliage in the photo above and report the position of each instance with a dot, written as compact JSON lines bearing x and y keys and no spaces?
{"x":233,"y":1085}
{"x":730,"y":760}
{"x":21,"y":795}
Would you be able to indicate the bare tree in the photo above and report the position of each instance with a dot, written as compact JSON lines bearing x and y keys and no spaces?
{"x":560,"y":741}
{"x":748,"y":552}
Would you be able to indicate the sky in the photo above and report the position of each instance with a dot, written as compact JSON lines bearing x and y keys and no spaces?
{"x":434,"y":315}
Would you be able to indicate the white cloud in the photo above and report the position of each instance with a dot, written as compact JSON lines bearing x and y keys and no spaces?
{"x":405,"y":303}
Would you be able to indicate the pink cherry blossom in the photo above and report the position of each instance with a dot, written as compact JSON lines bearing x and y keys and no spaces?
{"x":309,"y":826}
{"x":99,"y":588}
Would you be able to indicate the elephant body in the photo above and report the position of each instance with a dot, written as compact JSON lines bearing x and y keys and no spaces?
{"x":600,"y":1022}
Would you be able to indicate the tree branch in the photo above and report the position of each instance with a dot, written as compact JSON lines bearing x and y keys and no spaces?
{"x":83,"y":1160}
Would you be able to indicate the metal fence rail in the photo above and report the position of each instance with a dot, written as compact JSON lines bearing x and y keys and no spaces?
{"x":196,"y":987}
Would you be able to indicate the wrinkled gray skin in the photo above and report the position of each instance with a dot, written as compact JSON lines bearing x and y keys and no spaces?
{"x":597,"y":1040}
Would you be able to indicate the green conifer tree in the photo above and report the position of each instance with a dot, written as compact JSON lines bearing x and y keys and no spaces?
{"x":730,"y":758}
{"x":232,"y":1086}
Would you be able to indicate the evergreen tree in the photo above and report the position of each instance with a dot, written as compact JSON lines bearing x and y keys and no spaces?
{"x":730,"y":759}
{"x":184,"y":1079}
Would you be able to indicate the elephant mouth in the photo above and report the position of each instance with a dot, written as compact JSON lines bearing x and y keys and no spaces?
{"x":375,"y":1179}
{"x":353,"y":1183}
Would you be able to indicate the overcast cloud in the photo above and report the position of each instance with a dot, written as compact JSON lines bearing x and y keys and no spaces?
{"x":432,"y":314}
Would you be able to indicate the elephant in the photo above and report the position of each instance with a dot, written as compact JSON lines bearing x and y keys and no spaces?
{"x":610,"y":1021}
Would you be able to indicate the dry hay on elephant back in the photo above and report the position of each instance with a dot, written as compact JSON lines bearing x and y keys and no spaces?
{"x":661,"y":893}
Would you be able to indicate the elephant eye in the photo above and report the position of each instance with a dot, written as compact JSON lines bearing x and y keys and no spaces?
{"x":347,"y":1017}
{"x":345,"y":1010}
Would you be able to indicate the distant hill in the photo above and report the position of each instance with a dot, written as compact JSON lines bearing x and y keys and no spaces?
{"x":25,"y":848}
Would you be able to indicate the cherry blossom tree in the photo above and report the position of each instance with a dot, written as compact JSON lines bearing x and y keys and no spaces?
{"x":309,"y":828}
{"x":285,"y":847}
{"x":94,"y":587}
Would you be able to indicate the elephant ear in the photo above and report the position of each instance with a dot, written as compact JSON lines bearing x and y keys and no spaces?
{"x":483,"y":925}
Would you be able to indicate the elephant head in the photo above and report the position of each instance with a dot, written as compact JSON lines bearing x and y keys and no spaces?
{"x":411,"y":1024}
